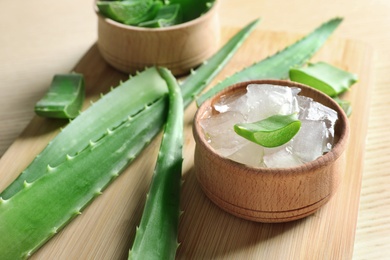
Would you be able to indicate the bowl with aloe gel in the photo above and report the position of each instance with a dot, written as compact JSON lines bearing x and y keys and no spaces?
{"x":270,"y":150}
{"x":176,"y":34}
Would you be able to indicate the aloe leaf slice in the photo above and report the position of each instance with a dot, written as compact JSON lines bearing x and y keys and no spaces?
{"x":272,"y":131}
{"x":166,"y":16}
{"x":279,"y":65}
{"x":156,"y":236}
{"x":64,"y":98}
{"x":324,"y":77}
{"x":130,"y":11}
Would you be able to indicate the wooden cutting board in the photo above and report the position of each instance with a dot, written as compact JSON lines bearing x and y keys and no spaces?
{"x":106,"y":229}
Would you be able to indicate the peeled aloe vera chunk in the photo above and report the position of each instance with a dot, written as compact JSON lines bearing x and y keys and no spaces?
{"x":64,"y":98}
{"x":324,"y":77}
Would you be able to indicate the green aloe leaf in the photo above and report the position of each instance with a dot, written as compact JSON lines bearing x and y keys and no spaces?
{"x":192,"y":9}
{"x":64,"y":98}
{"x":167,"y":15}
{"x":128,"y":12}
{"x":324,"y":77}
{"x":345,"y":105}
{"x":272,"y":131}
{"x":279,"y":65}
{"x":202,"y":76}
{"x":156,"y":236}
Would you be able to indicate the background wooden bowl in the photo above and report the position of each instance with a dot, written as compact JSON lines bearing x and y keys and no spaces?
{"x":178,"y":48}
{"x":270,"y":194}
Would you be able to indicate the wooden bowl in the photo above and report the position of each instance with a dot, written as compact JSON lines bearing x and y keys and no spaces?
{"x":178,"y":48}
{"x":270,"y":194}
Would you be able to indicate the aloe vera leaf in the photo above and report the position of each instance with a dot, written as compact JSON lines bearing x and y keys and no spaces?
{"x":201,"y":77}
{"x":125,"y":11}
{"x":193,"y":9}
{"x":324,"y":77}
{"x":149,"y":15}
{"x":156,"y":236}
{"x":127,"y":99}
{"x":272,"y":131}
{"x":64,"y":98}
{"x":36,"y":213}
{"x":345,"y":105}
{"x":166,"y":16}
{"x":279,"y":65}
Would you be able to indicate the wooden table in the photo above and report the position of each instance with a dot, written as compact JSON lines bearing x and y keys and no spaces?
{"x":41,"y":38}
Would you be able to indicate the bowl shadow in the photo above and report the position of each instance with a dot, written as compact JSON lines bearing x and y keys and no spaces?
{"x":208,"y":232}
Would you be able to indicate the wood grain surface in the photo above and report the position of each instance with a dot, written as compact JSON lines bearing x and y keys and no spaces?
{"x":106,"y":228}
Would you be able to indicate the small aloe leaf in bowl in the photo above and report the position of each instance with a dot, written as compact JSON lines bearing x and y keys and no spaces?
{"x":167,"y":15}
{"x":324,"y":77}
{"x":128,"y":12}
{"x":192,"y":9}
{"x":272,"y":131}
{"x":64,"y":98}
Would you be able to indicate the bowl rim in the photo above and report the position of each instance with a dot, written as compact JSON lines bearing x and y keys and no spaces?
{"x":205,"y":16}
{"x":321,"y":162}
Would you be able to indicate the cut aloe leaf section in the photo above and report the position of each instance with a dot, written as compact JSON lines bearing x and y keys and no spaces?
{"x":345,"y":105}
{"x":128,"y":12}
{"x":270,"y":132}
{"x":64,"y":98}
{"x":324,"y":77}
{"x":166,"y":16}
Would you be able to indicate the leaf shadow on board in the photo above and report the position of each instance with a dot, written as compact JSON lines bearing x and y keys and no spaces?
{"x":208,"y":232}
{"x":40,"y":126}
